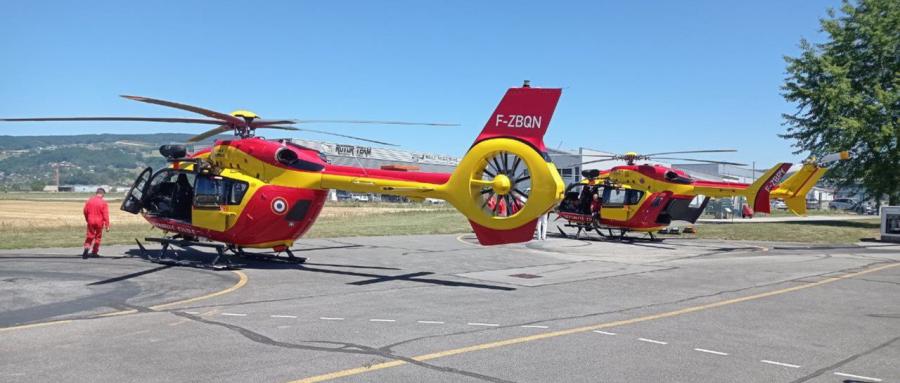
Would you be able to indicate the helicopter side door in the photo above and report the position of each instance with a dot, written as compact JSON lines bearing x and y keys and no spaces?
{"x":134,"y":200}
{"x":212,"y":194}
{"x":620,"y":204}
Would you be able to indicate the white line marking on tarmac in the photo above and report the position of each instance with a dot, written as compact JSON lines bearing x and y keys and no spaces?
{"x":483,"y":324}
{"x":234,"y":315}
{"x":780,"y":364}
{"x":533,"y":326}
{"x":429,"y":322}
{"x":652,"y":341}
{"x":382,"y":320}
{"x":604,"y":332}
{"x":284,"y":316}
{"x":857,"y":377}
{"x":330,"y":318}
{"x":192,"y":312}
{"x":711,"y":351}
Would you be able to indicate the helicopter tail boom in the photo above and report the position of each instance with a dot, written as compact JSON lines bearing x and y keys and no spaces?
{"x":502,"y":184}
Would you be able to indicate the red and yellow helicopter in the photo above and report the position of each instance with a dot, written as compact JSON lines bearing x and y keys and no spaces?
{"x":251,"y":192}
{"x":648,"y":197}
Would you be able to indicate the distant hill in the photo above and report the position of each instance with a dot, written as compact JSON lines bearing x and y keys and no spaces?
{"x":91,"y":159}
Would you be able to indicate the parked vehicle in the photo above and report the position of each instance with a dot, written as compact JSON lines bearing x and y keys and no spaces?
{"x":865,"y":207}
{"x":812,"y":204}
{"x":842,"y":204}
{"x":779,"y":204}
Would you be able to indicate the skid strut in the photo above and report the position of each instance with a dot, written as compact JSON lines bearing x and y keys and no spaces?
{"x":219,"y":261}
{"x":291,"y":258}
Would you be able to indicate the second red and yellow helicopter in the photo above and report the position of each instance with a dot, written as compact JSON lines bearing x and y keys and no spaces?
{"x":649,"y":197}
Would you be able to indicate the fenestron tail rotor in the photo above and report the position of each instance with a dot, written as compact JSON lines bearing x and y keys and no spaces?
{"x":505,"y":184}
{"x":242,"y":122}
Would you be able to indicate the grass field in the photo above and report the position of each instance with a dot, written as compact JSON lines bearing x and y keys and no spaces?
{"x":33,"y":220}
{"x":814,"y":232}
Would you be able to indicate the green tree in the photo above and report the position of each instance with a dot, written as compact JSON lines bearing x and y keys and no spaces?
{"x":847,"y":97}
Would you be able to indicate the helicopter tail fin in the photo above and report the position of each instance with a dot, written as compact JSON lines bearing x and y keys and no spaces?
{"x":758,"y":193}
{"x":795,"y":188}
{"x":506,"y":180}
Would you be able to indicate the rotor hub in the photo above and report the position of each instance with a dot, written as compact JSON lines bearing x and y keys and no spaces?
{"x":501,"y":184}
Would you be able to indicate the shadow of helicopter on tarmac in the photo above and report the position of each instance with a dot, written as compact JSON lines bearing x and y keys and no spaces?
{"x":196,"y":258}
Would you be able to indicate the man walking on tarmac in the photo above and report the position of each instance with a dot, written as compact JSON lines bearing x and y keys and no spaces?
{"x":96,"y":214}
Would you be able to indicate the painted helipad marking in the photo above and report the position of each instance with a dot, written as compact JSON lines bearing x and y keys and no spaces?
{"x":233,"y":314}
{"x":429,"y":322}
{"x":857,"y":377}
{"x":578,"y":330}
{"x":780,"y":363}
{"x":483,"y":324}
{"x":382,"y":320}
{"x":604,"y":332}
{"x":711,"y":351}
{"x":284,"y":316}
{"x":533,"y":326}
{"x":460,"y":238}
{"x":330,"y":318}
{"x":652,"y":341}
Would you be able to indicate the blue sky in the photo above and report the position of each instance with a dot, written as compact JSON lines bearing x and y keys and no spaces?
{"x":641,"y":76}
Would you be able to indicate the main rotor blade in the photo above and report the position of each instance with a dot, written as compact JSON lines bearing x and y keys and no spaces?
{"x":595,"y":161}
{"x":278,"y":127}
{"x":260,"y":123}
{"x":338,"y":135}
{"x":601,"y":155}
{"x":371,"y":122}
{"x":148,"y":119}
{"x":206,"y":112}
{"x":696,"y":160}
{"x":209,"y":133}
{"x":693,"y":151}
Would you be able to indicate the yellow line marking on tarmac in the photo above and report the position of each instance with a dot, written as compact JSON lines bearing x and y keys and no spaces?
{"x":33,"y":325}
{"x":576,"y":330}
{"x":241,"y":282}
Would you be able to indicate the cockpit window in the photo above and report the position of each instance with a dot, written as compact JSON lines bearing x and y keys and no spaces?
{"x":612,"y":197}
{"x":212,"y":191}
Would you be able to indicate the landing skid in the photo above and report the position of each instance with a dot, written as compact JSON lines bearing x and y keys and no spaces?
{"x":220,"y":261}
{"x":291,"y":258}
{"x":611,"y":234}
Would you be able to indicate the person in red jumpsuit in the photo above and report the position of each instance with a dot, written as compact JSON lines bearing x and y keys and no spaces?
{"x":96,"y":214}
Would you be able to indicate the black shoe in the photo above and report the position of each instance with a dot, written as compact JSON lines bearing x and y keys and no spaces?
{"x":95,"y":255}
{"x":84,"y":255}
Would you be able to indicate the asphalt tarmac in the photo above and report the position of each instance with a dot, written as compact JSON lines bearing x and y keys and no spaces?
{"x":441,"y":309}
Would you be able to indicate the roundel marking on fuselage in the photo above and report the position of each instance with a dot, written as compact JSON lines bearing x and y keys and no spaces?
{"x":279,"y":206}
